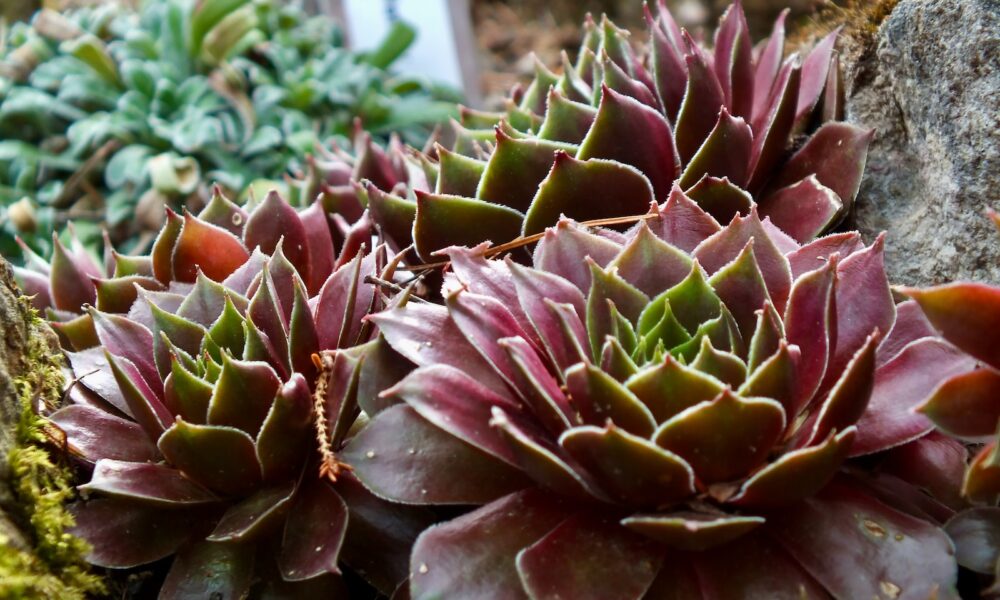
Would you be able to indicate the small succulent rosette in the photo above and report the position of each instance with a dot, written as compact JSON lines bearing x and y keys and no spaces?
{"x":199,"y":413}
{"x":668,"y":412}
{"x":617,"y":128}
{"x":215,"y":242}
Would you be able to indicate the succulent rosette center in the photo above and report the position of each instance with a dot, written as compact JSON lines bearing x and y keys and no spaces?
{"x":684,"y":389}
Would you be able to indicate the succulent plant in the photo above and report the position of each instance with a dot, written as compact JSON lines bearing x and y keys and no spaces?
{"x":214,"y":243}
{"x":966,"y":406}
{"x":616,"y":129}
{"x":196,"y":412}
{"x":669,"y":412}
{"x":110,"y":113}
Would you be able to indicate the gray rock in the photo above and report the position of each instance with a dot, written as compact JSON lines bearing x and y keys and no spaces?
{"x":929,"y":83}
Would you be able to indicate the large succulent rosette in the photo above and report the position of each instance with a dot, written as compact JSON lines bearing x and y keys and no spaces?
{"x":214,"y":243}
{"x":615,"y":129}
{"x":196,"y":412}
{"x":664,"y":413}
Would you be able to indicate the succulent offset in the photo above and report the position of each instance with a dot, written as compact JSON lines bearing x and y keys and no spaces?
{"x":197,"y":413}
{"x":666,"y":409}
{"x":615,"y":130}
{"x":109,"y":113}
{"x":966,"y":406}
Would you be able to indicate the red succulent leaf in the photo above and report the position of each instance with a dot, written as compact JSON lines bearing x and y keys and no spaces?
{"x":536,"y":291}
{"x":681,"y":222}
{"x":649,"y":263}
{"x":797,"y":474}
{"x":320,"y":243}
{"x":473,"y":556}
{"x":243,"y":395}
{"x":314,"y":532}
{"x":223,"y":212}
{"x":724,"y":438}
{"x":720,"y":198}
{"x":625,"y":191}
{"x":220,"y":458}
{"x":618,"y":80}
{"x":982,"y":478}
{"x":589,"y":557}
{"x":776,"y":378}
{"x":442,"y":221}
{"x":741,"y":287}
{"x":700,"y":108}
{"x":146,"y":484}
{"x":691,"y":530}
{"x":891,"y":553}
{"x":725,"y":153}
{"x":631,"y":469}
{"x":900,"y":385}
{"x":560,"y":249}
{"x":490,"y":278}
{"x":600,"y":398}
{"x":934,"y":462}
{"x":768,"y":65}
{"x":72,"y":287}
{"x":95,"y":434}
{"x":212,"y":249}
{"x":773,"y":125}
{"x":539,"y":389}
{"x":804,"y":209}
{"x":910,"y":325}
{"x":754,"y":566}
{"x":810,"y":323}
{"x":815,"y":68}
{"x":671,"y":387}
{"x":633,"y":133}
{"x":976,"y":535}
{"x":210,"y":570}
{"x":147,"y":409}
{"x":402,"y":457}
{"x":124,"y":338}
{"x":272,"y":221}
{"x":965,"y":314}
{"x":811,"y":255}
{"x":92,"y":371}
{"x":849,"y":397}
{"x":734,"y":60}
{"x":966,"y":405}
{"x":669,"y":68}
{"x":256,"y":515}
{"x":283,"y":440}
{"x":124,"y":535}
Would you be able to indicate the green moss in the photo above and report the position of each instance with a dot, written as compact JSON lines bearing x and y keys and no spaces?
{"x":56,"y":568}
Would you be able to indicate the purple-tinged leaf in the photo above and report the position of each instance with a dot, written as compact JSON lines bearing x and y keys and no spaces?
{"x":223,"y":212}
{"x":314,"y":532}
{"x":256,"y":515}
{"x":243,"y":395}
{"x":242,"y":279}
{"x":589,"y":557}
{"x":669,"y":69}
{"x":649,"y":263}
{"x":754,"y":566}
{"x":734,"y":61}
{"x":565,"y":192}
{"x":691,"y":530}
{"x":814,"y":77}
{"x":381,"y":369}
{"x":631,"y":469}
{"x":848,"y":398}
{"x":773,"y":126}
{"x":473,"y":556}
{"x":303,"y":339}
{"x":617,"y":80}
{"x":72,"y":287}
{"x":964,"y":313}
{"x":92,"y":371}
{"x":700,"y":109}
{"x":205,"y":302}
{"x":812,"y":255}
{"x":720,"y":198}
{"x":796,"y":475}
{"x":200,"y":245}
{"x":210,"y":570}
{"x":564,"y":244}
{"x":776,"y":378}
{"x":725,"y":437}
{"x":740,"y":285}
{"x":966,"y":405}
{"x":143,"y":403}
{"x":725,"y":245}
{"x":35,"y":285}
{"x":725,"y":153}
{"x":900,"y":385}
{"x":934,"y":462}
{"x":163,"y":248}
{"x":443,"y":221}
{"x":538,"y":387}
{"x":836,"y":155}
{"x":982,"y":479}
{"x":117,"y":295}
{"x":670,"y":387}
{"x":681,"y":222}
{"x":273,"y":221}
{"x":599,"y":398}
{"x":534,"y":291}
{"x":147,"y":484}
{"x":857,"y":547}
{"x":810,"y":323}
{"x":910,"y":326}
{"x":336,"y":303}
{"x":320,"y":244}
{"x":123,"y":534}
{"x":803,"y":210}
{"x":283,"y":439}
{"x":976,"y":535}
{"x":220,"y":458}
{"x":401,"y":457}
{"x":94,"y":434}
{"x":767,"y":336}
{"x":768,"y":65}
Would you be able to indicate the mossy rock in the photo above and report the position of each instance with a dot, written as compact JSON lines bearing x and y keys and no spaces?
{"x":38,"y":558}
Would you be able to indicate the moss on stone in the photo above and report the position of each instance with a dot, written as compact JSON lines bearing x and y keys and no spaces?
{"x":55,"y":566}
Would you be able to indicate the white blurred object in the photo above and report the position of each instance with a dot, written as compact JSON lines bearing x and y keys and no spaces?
{"x":443,"y":50}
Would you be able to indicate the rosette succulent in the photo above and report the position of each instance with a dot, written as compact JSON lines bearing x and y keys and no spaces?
{"x":616,"y":129}
{"x":668,"y":412}
{"x":197,"y":414}
{"x":214,"y":243}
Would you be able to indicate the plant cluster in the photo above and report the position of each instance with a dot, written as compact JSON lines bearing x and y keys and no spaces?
{"x":110,"y":114}
{"x":637,"y":368}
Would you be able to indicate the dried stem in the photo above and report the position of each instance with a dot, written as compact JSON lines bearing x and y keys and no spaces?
{"x":330,"y":467}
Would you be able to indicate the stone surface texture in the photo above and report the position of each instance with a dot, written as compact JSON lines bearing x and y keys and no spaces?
{"x":929,"y":83}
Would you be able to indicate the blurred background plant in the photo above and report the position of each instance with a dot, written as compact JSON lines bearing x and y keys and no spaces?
{"x":109,"y":113}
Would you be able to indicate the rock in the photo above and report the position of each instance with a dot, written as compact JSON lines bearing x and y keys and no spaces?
{"x":929,"y":82}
